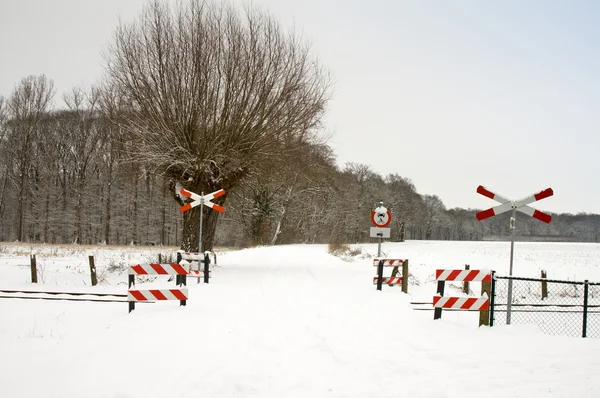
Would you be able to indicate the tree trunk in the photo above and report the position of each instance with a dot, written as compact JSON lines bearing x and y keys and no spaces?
{"x":79,"y":204}
{"x":46,"y":217}
{"x":135,"y":208}
{"x":21,"y":207}
{"x":163,"y":226}
{"x":191,"y":227}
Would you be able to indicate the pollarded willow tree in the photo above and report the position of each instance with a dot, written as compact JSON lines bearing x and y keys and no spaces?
{"x":213,"y":91}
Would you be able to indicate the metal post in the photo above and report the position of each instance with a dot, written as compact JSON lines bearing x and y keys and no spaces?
{"x":200,"y":233}
{"x":512,"y":252}
{"x":585,"y":307}
{"x":492,"y":298}
{"x":379,"y":274}
{"x":379,"y":247}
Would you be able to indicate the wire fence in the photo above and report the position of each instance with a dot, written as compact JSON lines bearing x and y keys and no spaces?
{"x":556,"y":307}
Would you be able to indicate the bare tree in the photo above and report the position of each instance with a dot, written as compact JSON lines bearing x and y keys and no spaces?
{"x":27,"y":106}
{"x":212,"y":92}
{"x":83,"y":136}
{"x":4,"y":165}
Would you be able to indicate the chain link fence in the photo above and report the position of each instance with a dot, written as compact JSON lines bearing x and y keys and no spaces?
{"x":556,"y":307}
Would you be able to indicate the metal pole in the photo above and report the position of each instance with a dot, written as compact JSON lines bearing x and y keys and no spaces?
{"x":512,"y":253}
{"x":200,"y":233}
{"x":379,"y":248}
{"x":585,"y":308}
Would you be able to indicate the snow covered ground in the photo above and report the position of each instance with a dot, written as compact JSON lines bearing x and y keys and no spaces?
{"x":286,"y":321}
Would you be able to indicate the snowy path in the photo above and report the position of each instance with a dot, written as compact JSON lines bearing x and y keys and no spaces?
{"x":281,"y":322}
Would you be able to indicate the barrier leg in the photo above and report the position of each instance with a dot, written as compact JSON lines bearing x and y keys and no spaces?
{"x":131,"y":284}
{"x":183,"y":280}
{"x":379,"y":274}
{"x":405,"y":276}
{"x":206,"y":262}
{"x":437,"y":313}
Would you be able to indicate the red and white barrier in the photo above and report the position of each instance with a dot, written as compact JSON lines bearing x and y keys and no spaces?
{"x":134,"y":295}
{"x":388,"y":262}
{"x":158,"y":269}
{"x":462,"y":303}
{"x":388,"y":280}
{"x":158,"y":294}
{"x":460,"y":275}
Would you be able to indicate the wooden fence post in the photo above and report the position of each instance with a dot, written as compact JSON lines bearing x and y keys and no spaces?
{"x":93,"y":271}
{"x":160,"y":258}
{"x":466,"y":283}
{"x":33,"y":269}
{"x":405,"y":276}
{"x":544,"y":285}
{"x":484,"y":316}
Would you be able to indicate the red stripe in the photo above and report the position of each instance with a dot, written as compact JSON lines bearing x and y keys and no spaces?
{"x":436,"y":299}
{"x":138,"y":295}
{"x":482,"y":215}
{"x":218,"y":208}
{"x":472,"y":275}
{"x":485,"y":305}
{"x":179,"y":269}
{"x":139,"y":270}
{"x":453,"y":275}
{"x":179,"y":294}
{"x":159,"y":269}
{"x":185,"y":208}
{"x":220,"y":192}
{"x":158,"y":294}
{"x":542,"y":216}
{"x":185,"y":193}
{"x":451,"y":301}
{"x":482,"y":191}
{"x":544,"y":194}
{"x":487,"y":278}
{"x":438,"y":272}
{"x":468,"y":304}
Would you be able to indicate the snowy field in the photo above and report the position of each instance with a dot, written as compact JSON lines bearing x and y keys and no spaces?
{"x":285,"y":321}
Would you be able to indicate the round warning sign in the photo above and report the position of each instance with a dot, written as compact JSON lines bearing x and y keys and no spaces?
{"x":381,"y":217}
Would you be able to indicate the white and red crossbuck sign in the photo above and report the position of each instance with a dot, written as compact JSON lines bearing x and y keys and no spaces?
{"x":519,"y":205}
{"x":202,"y":200}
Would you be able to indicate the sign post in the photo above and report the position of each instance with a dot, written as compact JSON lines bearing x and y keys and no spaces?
{"x":381,"y":218}
{"x":197,"y":201}
{"x":521,"y":206}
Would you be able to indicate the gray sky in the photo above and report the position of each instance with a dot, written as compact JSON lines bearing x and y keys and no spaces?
{"x":449,"y":94}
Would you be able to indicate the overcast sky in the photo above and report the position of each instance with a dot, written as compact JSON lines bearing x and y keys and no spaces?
{"x":451,"y":94}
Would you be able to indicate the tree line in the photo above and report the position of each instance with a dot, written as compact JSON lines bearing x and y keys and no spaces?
{"x":203,"y":96}
{"x":66,"y":176}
